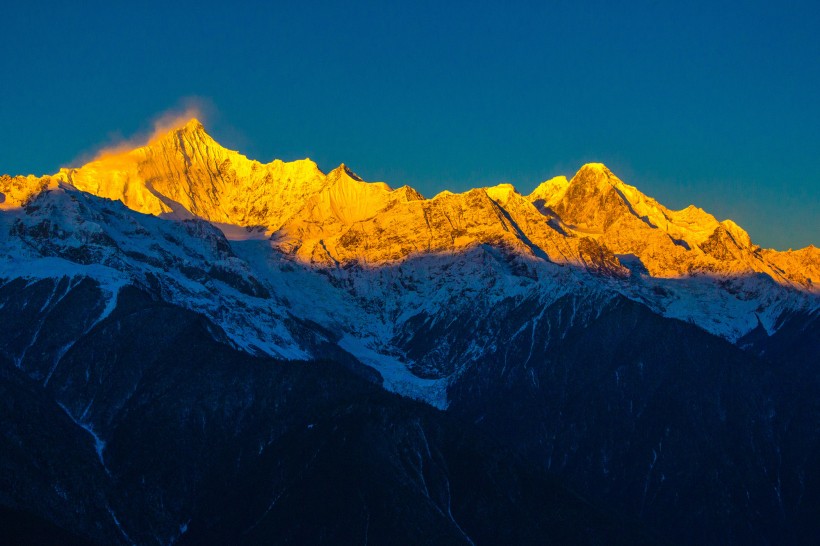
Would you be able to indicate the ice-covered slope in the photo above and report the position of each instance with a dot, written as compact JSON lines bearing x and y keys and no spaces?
{"x":310,"y":265}
{"x":339,"y":218}
{"x":597,"y":204}
{"x":185,"y":172}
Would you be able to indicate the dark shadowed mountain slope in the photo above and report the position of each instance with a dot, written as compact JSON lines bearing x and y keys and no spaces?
{"x":672,"y":425}
{"x":151,"y":430}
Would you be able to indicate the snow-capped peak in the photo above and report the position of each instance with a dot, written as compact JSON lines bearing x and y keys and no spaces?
{"x":338,"y":217}
{"x":370,"y":266}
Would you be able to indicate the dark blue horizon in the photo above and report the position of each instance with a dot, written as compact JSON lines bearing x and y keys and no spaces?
{"x":708,"y":103}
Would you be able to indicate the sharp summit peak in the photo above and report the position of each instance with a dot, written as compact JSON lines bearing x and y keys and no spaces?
{"x":594,"y":168}
{"x":190,"y":127}
{"x":344,"y":169}
{"x":193,"y":124}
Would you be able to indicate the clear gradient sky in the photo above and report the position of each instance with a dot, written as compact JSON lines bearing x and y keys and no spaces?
{"x":711,"y":103}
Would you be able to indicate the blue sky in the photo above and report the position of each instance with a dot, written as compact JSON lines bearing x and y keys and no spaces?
{"x":709,"y":103}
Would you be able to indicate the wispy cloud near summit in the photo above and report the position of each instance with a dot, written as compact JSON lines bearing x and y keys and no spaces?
{"x":173,"y":118}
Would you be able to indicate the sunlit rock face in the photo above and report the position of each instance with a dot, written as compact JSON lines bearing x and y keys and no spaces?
{"x":185,"y":172}
{"x":338,"y":218}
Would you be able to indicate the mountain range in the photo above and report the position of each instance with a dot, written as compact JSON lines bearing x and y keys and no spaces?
{"x":201,"y":348}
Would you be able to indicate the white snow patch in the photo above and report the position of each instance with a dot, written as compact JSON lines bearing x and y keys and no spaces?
{"x":99,"y":443}
{"x":119,"y":525}
{"x":397,"y":376}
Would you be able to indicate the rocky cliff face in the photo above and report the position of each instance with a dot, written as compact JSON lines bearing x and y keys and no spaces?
{"x":186,"y":173}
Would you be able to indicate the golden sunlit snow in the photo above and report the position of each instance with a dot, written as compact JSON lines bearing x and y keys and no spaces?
{"x":594,"y":219}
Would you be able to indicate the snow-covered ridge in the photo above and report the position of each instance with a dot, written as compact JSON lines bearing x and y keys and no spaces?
{"x":337,"y":218}
{"x":297,"y":264}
